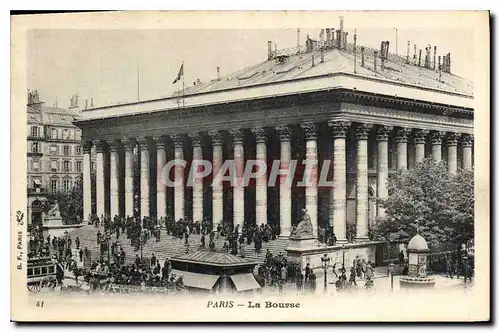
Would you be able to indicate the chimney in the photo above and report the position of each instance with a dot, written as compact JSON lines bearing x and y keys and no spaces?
{"x":339,"y":39}
{"x":362,"y":56}
{"x":269,"y":50}
{"x":76,"y":100}
{"x":92,"y":102}
{"x":312,"y":57}
{"x":439,"y":63}
{"x":415,"y":54}
{"x":427,"y":62}
{"x":408,"y":52}
{"x":345,"y":40}
{"x":342,"y":23}
{"x":86,"y":103}
{"x":332,"y":37}
{"x":322,"y":54}
{"x":434,"y":58}
{"x":449,"y":63}
{"x":419,"y":56}
{"x":375,"y":55}
{"x":328,"y":36}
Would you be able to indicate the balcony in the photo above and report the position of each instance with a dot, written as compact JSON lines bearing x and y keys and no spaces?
{"x":34,"y":191}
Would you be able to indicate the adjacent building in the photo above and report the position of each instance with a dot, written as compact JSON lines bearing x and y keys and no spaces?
{"x":54,"y":151}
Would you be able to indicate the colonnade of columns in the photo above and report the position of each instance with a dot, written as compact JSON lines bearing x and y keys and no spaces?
{"x":339,"y":131}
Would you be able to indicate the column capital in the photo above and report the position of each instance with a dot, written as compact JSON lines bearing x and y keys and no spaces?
{"x":195,"y":138}
{"x":437,"y":137}
{"x":260,"y":134}
{"x":159,"y":140}
{"x":129,"y":143}
{"x":467,"y":140}
{"x":309,"y":129}
{"x":178,"y":140}
{"x":216,"y":137}
{"x":283,"y":132}
{"x":237,"y":135}
{"x":144,"y":142}
{"x":363,"y":130}
{"x":402,"y":134}
{"x":383,"y":133}
{"x":452,"y":138}
{"x":87,"y":146}
{"x":339,"y":128}
{"x":420,"y":135}
{"x":100,"y":145}
{"x":114,"y":145}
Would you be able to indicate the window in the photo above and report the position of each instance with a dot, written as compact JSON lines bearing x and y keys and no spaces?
{"x":66,"y":184}
{"x":53,"y":185}
{"x":53,"y":149}
{"x":78,"y":150}
{"x":53,"y":133}
{"x":35,"y":165}
{"x":66,"y":166}
{"x":53,"y":166}
{"x":65,"y":134}
{"x":66,"y":150}
{"x":79,"y":166}
{"x":59,"y":133}
{"x":34,"y":131}
{"x":35,"y":148}
{"x":93,"y":166}
{"x":78,"y":135}
{"x":78,"y":183}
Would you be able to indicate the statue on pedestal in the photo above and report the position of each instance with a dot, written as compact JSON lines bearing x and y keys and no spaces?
{"x":54,"y":211}
{"x":304,"y":227}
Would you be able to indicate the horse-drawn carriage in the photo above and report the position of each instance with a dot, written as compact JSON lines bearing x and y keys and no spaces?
{"x":43,"y":272}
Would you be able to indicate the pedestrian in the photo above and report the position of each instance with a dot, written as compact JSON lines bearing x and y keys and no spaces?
{"x":77,"y":242}
{"x":449,"y":270}
{"x":401,"y":257}
{"x":352,"y":277}
{"x":80,"y":253}
{"x":308,"y":272}
{"x":334,"y":270}
{"x":299,"y":282}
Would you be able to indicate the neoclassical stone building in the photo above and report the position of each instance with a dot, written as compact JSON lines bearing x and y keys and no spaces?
{"x":367,"y":111}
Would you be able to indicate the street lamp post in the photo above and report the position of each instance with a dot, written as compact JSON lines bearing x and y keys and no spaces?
{"x":325,"y":259}
{"x":343,"y":258}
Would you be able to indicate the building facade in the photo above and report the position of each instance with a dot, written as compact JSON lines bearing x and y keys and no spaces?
{"x":54,"y":150}
{"x":367,"y":112}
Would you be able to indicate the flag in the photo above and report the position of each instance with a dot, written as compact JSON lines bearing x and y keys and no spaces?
{"x":181,"y":73}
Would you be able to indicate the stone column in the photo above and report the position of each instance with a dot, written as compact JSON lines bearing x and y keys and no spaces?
{"x":217,"y":198}
{"x":178,"y":177}
{"x":161,"y":197}
{"x":311,"y":173}
{"x":114,"y":180}
{"x":362,"y":132}
{"x":436,"y":140}
{"x":382,"y":166}
{"x":129,"y":145}
{"x":87,"y":186}
{"x":99,"y":178}
{"x":261,"y":181}
{"x":402,"y":148}
{"x":419,"y":137}
{"x":285,"y":188}
{"x":238,"y":189}
{"x":197,"y":182}
{"x":144,"y":147}
{"x":339,"y":195}
{"x":451,"y":142}
{"x":467,"y":142}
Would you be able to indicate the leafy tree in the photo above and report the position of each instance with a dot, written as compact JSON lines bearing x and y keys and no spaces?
{"x":70,"y":204}
{"x":427,"y":197}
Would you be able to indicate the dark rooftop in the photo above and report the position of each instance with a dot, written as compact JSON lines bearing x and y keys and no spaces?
{"x":213,"y":258}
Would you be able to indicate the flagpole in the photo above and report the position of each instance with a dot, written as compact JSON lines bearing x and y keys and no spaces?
{"x":183,"y":102}
{"x":138,"y":84}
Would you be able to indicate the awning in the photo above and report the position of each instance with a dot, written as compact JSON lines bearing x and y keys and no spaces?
{"x":37,"y":182}
{"x":244,"y":282}
{"x":196,"y":280}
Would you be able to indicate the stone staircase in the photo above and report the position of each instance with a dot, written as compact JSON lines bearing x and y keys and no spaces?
{"x":168,"y":246}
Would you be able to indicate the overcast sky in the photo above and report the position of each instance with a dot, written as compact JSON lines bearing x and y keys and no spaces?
{"x":103,"y":63}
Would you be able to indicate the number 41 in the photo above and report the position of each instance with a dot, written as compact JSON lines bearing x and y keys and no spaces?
{"x":39,"y":304}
